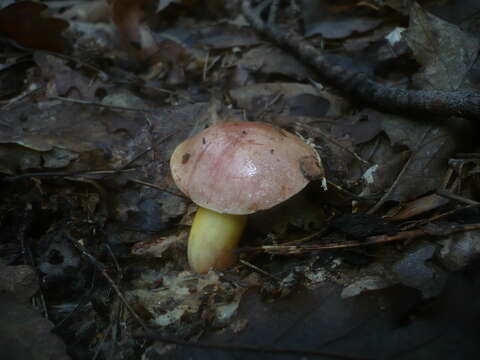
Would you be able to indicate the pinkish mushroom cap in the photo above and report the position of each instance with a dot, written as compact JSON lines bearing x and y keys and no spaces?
{"x":243,"y":167}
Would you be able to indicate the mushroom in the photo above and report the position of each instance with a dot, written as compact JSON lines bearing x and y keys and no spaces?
{"x":233,"y":169}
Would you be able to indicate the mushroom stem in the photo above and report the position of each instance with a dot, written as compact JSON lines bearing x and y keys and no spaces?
{"x":213,"y":238}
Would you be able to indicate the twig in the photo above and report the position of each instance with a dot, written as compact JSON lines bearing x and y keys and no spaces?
{"x":115,"y":314}
{"x":318,"y":132}
{"x":307,"y":238}
{"x":26,"y":223}
{"x":267,"y":106}
{"x":20,"y":97}
{"x":205,"y":66}
{"x":385,"y":196}
{"x":256,"y":268}
{"x":360,"y":87}
{"x":449,"y":195}
{"x":148,"y":87}
{"x":117,"y":308}
{"x":102,"y":74}
{"x":345,"y":191}
{"x":66,"y":174}
{"x":103,"y":270}
{"x":135,"y":158}
{"x":432,"y":230}
{"x":300,"y":249}
{"x":436,"y":217}
{"x":86,"y":297}
{"x":159,"y":188}
{"x":92,"y":103}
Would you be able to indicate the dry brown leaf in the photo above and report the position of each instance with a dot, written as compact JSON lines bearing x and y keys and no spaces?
{"x":23,"y":23}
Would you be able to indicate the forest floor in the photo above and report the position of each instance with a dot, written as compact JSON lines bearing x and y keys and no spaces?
{"x":378,"y":260}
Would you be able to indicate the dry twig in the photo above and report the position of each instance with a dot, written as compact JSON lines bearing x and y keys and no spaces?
{"x":362,"y":88}
{"x":428,"y":230}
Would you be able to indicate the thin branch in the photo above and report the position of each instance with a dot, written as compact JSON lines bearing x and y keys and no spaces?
{"x":261,"y":271}
{"x":66,"y":174}
{"x":362,"y":88}
{"x":20,"y":97}
{"x":385,"y":196}
{"x":103,"y":270}
{"x":451,"y":196}
{"x":428,"y":230}
{"x":159,"y":188}
{"x":92,"y":103}
{"x":101,"y":74}
{"x":85,"y":298}
{"x":318,"y":132}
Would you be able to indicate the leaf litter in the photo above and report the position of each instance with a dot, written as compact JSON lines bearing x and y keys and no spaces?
{"x":91,"y":213}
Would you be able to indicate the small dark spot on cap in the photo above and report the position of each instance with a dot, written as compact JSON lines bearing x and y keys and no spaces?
{"x":204,"y":141}
{"x":272,"y":151}
{"x":185,"y":158}
{"x":244,"y":132}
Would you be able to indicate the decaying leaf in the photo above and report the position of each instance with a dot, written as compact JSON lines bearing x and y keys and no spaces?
{"x":445,"y":52}
{"x":65,"y":81}
{"x":274,"y":61}
{"x":430,"y":147}
{"x":186,"y":300}
{"x":23,"y":23}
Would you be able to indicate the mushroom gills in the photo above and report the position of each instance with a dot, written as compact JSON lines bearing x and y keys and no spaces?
{"x":213,"y":238}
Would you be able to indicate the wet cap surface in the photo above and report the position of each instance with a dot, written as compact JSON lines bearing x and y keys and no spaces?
{"x":243,"y":167}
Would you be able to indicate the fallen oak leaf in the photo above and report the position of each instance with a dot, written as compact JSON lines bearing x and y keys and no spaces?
{"x":62,"y":80}
{"x":23,"y":23}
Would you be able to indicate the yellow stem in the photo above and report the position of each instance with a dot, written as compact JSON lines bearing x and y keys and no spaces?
{"x":212,"y":239}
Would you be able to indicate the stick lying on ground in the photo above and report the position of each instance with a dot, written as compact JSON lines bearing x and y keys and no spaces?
{"x":360,"y":87}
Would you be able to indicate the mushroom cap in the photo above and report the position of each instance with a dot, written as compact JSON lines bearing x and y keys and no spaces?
{"x":243,"y":167}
